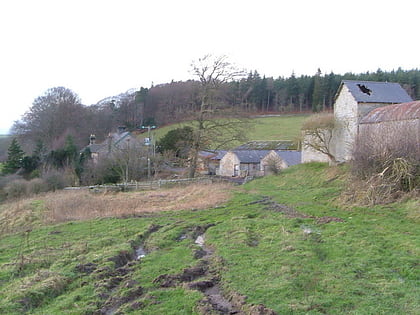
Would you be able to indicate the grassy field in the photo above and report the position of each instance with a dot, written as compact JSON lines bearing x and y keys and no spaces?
{"x":285,"y":127}
{"x":281,"y":241}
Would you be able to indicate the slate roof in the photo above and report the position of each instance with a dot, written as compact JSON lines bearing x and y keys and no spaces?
{"x":291,"y":157}
{"x":250,"y":156}
{"x":267,"y":145}
{"x":376,"y":92}
{"x":213,"y":155}
{"x":255,"y":156}
{"x":96,"y":148}
{"x":404,"y":111}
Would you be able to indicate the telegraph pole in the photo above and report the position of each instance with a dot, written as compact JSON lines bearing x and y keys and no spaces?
{"x":148,"y":143}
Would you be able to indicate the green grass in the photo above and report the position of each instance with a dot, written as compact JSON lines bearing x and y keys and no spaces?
{"x":366,"y":264}
{"x":286,"y":127}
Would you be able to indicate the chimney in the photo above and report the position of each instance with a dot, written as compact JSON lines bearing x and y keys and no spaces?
{"x":121,"y":129}
{"x":92,"y":139}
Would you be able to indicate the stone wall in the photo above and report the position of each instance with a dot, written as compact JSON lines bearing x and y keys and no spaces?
{"x":309,"y":154}
{"x":227,"y":164}
{"x":345,"y":131}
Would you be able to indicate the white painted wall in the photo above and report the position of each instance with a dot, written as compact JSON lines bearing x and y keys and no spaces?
{"x":309,"y":154}
{"x":346,"y":121}
{"x":227,"y":164}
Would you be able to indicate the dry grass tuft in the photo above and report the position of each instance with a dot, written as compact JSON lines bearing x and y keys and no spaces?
{"x":83,"y":205}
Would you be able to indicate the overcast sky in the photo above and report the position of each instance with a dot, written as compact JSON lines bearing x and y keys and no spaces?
{"x":100,"y":48}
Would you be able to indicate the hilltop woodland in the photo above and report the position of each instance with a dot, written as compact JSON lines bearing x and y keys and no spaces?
{"x":58,"y":125}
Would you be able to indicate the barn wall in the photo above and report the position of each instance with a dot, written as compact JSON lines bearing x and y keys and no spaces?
{"x":270,"y":158}
{"x":405,"y":130}
{"x":346,"y":119}
{"x":227,"y":164}
{"x":309,"y":154}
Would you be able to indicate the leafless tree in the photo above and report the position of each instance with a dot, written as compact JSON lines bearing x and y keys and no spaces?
{"x":318,"y":133}
{"x":213,"y":124}
{"x":53,"y":115}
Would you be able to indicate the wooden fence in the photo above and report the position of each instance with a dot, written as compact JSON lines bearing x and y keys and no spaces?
{"x":147,"y":185}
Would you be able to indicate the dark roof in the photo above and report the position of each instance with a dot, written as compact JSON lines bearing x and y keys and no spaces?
{"x":255,"y":156}
{"x":250,"y":156}
{"x":213,"y":155}
{"x":96,"y":147}
{"x":404,"y":111}
{"x":376,"y":92}
{"x":266,"y":145}
{"x":291,"y":157}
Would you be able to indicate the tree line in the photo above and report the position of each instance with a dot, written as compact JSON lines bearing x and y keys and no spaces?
{"x":256,"y":93}
{"x":60,"y":113}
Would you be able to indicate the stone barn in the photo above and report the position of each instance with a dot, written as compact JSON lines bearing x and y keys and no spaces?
{"x":353,"y":101}
{"x":277,"y":160}
{"x":208,"y":162}
{"x":242,"y":163}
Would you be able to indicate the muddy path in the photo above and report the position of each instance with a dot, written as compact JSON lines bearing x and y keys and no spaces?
{"x":290,"y":212}
{"x":205,"y":277}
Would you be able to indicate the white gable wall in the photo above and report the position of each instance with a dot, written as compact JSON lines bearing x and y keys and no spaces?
{"x":227,"y":164}
{"x":346,"y":120}
{"x":309,"y":154}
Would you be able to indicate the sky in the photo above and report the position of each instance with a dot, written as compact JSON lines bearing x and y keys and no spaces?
{"x":100,"y":48}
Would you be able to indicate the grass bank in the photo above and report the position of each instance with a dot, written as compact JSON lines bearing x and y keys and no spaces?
{"x":281,"y":241}
{"x":285,"y":127}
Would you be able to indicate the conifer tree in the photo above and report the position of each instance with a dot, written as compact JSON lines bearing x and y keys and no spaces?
{"x":15,"y":156}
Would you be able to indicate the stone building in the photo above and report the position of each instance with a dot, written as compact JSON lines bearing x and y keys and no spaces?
{"x":242,"y":163}
{"x":353,"y":101}
{"x":114,"y":142}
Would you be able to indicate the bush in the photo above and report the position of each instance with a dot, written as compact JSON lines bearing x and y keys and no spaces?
{"x":54,"y":180}
{"x":37,"y":185}
{"x":387,"y":159}
{"x":16,"y":189}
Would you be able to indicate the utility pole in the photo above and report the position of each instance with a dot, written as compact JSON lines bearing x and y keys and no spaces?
{"x":149,"y":142}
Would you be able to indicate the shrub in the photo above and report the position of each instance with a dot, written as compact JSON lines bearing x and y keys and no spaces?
{"x":16,"y":189}
{"x":387,"y":159}
{"x":37,"y":185}
{"x":54,"y":180}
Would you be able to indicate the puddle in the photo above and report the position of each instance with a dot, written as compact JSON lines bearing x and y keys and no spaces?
{"x":200,"y":240}
{"x":140,"y":252}
{"x":182,"y":237}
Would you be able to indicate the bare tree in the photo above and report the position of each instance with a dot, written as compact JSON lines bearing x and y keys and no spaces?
{"x":131,"y":160}
{"x":213,"y":124}
{"x":318,"y":133}
{"x":53,"y":115}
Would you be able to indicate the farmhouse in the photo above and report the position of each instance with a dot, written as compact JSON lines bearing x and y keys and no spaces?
{"x":114,"y":141}
{"x":244,"y":163}
{"x":353,"y":101}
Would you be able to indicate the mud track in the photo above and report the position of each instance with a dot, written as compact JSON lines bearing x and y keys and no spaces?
{"x":290,"y":212}
{"x":205,"y":278}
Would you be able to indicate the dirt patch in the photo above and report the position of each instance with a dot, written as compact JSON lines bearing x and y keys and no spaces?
{"x":204,"y":277}
{"x":290,"y":212}
{"x":326,"y":219}
{"x":110,"y":281}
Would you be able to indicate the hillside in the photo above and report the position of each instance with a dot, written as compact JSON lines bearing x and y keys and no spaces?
{"x":279,"y":244}
{"x":284,"y":127}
